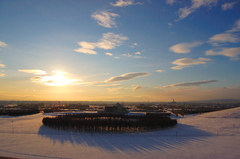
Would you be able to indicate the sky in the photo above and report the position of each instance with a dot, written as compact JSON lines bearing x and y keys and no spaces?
{"x":119,"y":50}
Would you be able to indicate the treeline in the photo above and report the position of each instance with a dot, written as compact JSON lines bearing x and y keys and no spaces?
{"x":19,"y":112}
{"x":109,"y":122}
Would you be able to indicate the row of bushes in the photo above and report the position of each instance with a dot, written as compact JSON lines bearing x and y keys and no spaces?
{"x":18,"y":112}
{"x":109,"y":122}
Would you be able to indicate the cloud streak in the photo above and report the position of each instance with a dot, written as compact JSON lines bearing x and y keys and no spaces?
{"x":36,"y":72}
{"x":219,"y":39}
{"x":107,"y":42}
{"x":184,"y":12}
{"x":170,"y":2}
{"x":136,"y":87}
{"x":186,"y":62}
{"x":228,"y":36}
{"x":109,"y":54}
{"x":2,"y":65}
{"x":228,"y":52}
{"x":184,"y":48}
{"x":227,"y":6}
{"x":105,"y":18}
{"x":127,"y":76}
{"x":122,"y":3}
{"x":3,"y":44}
{"x":160,"y":71}
{"x":190,"y":84}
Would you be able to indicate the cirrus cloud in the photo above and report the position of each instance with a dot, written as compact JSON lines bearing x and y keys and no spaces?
{"x":160,"y":71}
{"x":105,"y":18}
{"x":127,"y":76}
{"x":184,"y":12}
{"x":218,"y":39}
{"x":184,"y":47}
{"x":236,"y":27}
{"x":33,"y":71}
{"x":107,"y":42}
{"x":3,"y":44}
{"x":228,"y":36}
{"x":109,"y":54}
{"x":186,"y":62}
{"x":136,"y":87}
{"x":170,"y":2}
{"x":228,"y":52}
{"x":227,"y":6}
{"x":122,"y":3}
{"x":190,"y":84}
{"x":2,"y":65}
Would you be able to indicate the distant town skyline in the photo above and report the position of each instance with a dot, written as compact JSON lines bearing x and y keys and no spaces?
{"x":119,"y":50}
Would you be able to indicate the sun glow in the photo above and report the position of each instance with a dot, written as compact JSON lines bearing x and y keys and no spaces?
{"x":58,"y":79}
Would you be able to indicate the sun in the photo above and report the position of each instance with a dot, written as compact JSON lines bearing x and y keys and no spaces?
{"x":59,"y":79}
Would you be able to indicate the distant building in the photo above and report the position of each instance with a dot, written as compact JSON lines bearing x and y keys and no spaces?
{"x":117,"y":108}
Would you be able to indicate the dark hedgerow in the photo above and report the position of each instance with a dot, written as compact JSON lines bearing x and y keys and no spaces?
{"x":109,"y":122}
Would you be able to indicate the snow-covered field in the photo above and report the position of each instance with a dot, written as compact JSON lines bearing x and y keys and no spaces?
{"x":204,"y":136}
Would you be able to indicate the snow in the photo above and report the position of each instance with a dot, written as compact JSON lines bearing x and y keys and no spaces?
{"x":209,"y":135}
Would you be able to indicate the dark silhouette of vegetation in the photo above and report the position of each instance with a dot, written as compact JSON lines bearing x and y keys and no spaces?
{"x":19,"y":112}
{"x":20,"y":109}
{"x":108,"y":122}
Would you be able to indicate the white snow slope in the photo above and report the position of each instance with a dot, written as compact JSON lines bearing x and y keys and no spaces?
{"x":204,"y":136}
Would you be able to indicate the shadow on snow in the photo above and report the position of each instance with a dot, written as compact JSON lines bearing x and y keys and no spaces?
{"x":129,"y":142}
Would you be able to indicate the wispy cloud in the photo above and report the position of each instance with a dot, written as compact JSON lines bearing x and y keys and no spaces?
{"x":184,"y":12}
{"x":190,"y":84}
{"x":108,"y":41}
{"x":105,"y":18}
{"x":124,"y":3}
{"x":109,"y":84}
{"x":116,"y":89}
{"x":186,"y":62}
{"x":127,"y":76}
{"x":137,"y":55}
{"x":86,"y":48}
{"x":33,"y":71}
{"x":184,"y":47}
{"x":236,"y":27}
{"x":86,"y":51}
{"x":136,"y":87}
{"x":127,"y":55}
{"x":227,"y":36}
{"x":170,"y":1}
{"x":2,"y":65}
{"x":133,"y":46}
{"x":218,"y":39}
{"x":160,"y":71}
{"x":229,"y":52}
{"x":3,"y":44}
{"x":109,"y":54}
{"x":227,"y":6}
{"x":170,"y":25}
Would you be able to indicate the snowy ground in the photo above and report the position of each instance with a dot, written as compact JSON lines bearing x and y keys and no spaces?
{"x":209,"y":135}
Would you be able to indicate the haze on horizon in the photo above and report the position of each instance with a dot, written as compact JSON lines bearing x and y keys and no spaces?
{"x":119,"y":50}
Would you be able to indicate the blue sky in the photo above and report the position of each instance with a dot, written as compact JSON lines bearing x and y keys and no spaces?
{"x":119,"y":50}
